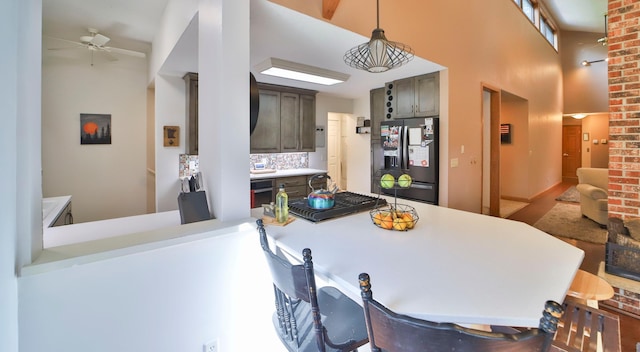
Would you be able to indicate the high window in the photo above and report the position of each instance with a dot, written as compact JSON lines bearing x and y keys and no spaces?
{"x":540,"y":19}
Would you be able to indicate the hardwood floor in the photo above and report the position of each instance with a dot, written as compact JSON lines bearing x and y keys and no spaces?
{"x":594,"y":254}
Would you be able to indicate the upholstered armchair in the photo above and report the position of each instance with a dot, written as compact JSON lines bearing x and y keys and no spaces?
{"x":593,"y":185}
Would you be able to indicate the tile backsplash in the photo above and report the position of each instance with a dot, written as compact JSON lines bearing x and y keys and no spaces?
{"x":188,"y":165}
{"x":280,"y":161}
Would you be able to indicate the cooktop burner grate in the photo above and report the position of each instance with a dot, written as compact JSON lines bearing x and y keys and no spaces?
{"x":345,"y":203}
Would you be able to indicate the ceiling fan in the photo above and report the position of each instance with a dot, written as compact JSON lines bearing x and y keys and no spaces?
{"x":95,"y":42}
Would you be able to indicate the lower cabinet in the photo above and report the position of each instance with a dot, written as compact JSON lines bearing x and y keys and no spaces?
{"x":295,"y":186}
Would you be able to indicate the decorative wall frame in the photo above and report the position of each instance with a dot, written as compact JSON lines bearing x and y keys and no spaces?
{"x":95,"y":128}
{"x":585,"y":136}
{"x":171,"y":136}
{"x":505,"y":133}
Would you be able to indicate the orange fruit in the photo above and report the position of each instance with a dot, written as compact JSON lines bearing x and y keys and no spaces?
{"x":387,"y":222}
{"x":377,"y":219}
{"x":408,"y":218}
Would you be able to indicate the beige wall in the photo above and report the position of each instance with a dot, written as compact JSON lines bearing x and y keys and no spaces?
{"x":597,"y":126}
{"x":501,"y":48}
{"x":105,"y":181}
{"x":585,"y":87}
{"x":514,"y":168}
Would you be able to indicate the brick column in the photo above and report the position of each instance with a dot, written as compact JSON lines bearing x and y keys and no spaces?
{"x":624,"y":108}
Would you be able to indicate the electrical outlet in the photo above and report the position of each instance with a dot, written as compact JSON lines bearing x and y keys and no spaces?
{"x":211,"y":346}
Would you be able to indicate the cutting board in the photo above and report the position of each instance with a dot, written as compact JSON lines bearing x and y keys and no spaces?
{"x":267,"y":220}
{"x":262,"y":171}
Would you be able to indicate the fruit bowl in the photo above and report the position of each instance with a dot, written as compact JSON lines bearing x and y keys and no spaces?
{"x":396,"y":217}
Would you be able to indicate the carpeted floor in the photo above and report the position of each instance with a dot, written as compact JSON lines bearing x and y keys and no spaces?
{"x":565,"y":220}
{"x":570,"y":195}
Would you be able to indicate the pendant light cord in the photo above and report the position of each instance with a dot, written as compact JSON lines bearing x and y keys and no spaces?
{"x":378,"y":14}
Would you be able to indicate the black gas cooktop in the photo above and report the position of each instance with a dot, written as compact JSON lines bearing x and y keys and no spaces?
{"x":345,"y":203}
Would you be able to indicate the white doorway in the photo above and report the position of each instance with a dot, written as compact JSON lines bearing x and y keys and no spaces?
{"x":336,"y":149}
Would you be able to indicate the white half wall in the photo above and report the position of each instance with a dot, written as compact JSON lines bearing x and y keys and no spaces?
{"x":164,"y":300}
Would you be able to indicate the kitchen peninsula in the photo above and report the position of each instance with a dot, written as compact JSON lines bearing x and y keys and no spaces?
{"x":453,"y":266}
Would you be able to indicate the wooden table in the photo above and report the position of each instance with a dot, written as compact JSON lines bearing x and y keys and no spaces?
{"x":454,"y":266}
{"x":590,"y":288}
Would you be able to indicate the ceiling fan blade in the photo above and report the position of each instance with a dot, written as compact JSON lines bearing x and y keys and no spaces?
{"x":126,"y":52}
{"x":69,"y":48}
{"x":108,"y":55}
{"x":99,"y":40}
{"x":78,"y":44}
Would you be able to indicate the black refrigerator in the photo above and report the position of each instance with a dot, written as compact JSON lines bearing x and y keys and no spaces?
{"x":408,"y":146}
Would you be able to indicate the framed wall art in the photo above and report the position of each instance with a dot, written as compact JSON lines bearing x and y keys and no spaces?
{"x":171,"y":136}
{"x":505,"y":133}
{"x":95,"y":128}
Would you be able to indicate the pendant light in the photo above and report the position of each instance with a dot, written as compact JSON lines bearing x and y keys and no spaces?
{"x":378,"y":54}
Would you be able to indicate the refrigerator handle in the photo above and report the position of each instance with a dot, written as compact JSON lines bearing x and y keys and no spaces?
{"x":405,"y":147}
{"x":398,"y":158}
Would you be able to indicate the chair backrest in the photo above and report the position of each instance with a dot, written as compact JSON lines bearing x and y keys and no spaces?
{"x":598,"y":177}
{"x":295,"y":291}
{"x":400,"y":333}
{"x":581,"y":327}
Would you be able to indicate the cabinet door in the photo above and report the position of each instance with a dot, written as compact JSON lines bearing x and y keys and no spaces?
{"x":289,"y":122}
{"x":404,"y":96}
{"x":308,"y":123}
{"x":295,"y":186}
{"x":377,"y":107}
{"x":427,"y":95}
{"x":266,"y":136}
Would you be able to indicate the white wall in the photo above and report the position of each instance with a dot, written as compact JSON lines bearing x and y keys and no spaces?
{"x":223,"y":109}
{"x":20,"y":204}
{"x":164,"y":300}
{"x":105,"y":181}
{"x":326,"y":104}
{"x":170,"y":111}
{"x":9,"y":21}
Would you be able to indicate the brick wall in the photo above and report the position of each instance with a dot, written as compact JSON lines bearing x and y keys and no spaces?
{"x":625,"y":300}
{"x":624,"y":108}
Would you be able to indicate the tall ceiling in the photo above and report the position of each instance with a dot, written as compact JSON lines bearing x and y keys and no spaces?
{"x":132,"y":25}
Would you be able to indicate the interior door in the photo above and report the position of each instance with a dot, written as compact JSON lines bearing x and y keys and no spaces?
{"x":571,"y":152}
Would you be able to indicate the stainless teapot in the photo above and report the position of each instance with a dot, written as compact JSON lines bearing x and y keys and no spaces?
{"x":322,"y":198}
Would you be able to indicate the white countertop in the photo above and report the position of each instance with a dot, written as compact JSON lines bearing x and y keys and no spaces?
{"x":287,"y":173}
{"x":454,"y":266}
{"x":51,"y":209}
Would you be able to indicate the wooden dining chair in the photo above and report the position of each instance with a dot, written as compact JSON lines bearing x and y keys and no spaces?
{"x":583,"y":328}
{"x":309,"y":318}
{"x":394,"y":332}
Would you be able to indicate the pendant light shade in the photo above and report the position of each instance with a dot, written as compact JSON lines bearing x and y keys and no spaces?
{"x":378,"y":54}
